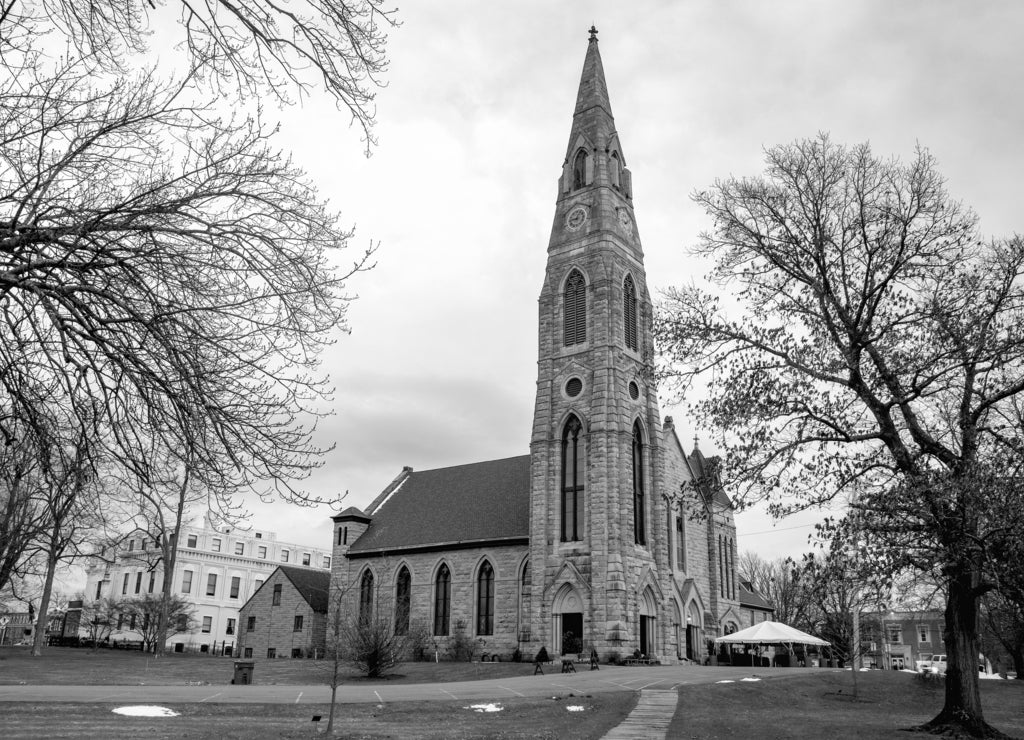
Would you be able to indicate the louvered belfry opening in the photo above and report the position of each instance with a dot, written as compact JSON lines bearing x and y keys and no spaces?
{"x":629,"y":312}
{"x":575,"y":327}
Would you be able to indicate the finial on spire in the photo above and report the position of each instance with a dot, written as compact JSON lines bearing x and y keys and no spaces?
{"x":593,"y":32}
{"x":696,"y":441}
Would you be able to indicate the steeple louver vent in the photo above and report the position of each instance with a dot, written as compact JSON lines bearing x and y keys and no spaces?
{"x":575,"y":304}
{"x":629,"y":312}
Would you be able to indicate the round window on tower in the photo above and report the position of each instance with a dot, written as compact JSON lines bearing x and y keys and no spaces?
{"x":634,"y":390}
{"x":573,"y":387}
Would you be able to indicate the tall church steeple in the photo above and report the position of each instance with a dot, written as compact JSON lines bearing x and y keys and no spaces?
{"x":595,"y":450}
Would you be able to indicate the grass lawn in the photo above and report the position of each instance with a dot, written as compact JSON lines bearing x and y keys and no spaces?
{"x":821,"y":705}
{"x":520,"y":719}
{"x":132,"y":667}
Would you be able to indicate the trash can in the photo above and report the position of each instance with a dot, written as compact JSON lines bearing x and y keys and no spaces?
{"x":243,"y":672}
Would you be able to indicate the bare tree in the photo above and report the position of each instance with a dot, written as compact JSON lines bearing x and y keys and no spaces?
{"x":146,"y":610}
{"x":778,"y":581}
{"x":99,"y":618}
{"x":256,"y":47}
{"x":875,"y":345}
{"x":169,"y":266}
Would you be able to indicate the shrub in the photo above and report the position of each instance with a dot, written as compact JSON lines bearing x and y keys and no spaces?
{"x":460,"y":645}
{"x":542,"y":656}
{"x":517,"y":656}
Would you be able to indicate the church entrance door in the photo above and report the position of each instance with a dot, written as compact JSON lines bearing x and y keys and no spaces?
{"x":572,"y":632}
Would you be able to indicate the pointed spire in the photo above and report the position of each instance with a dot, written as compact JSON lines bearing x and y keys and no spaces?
{"x":593,"y":92}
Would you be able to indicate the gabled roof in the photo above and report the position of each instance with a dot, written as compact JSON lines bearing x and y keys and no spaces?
{"x":483,"y":501}
{"x":751,"y":598}
{"x":311,"y":584}
{"x":704,"y":470}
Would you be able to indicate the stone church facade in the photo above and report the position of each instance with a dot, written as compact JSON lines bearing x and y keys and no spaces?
{"x":607,"y":536}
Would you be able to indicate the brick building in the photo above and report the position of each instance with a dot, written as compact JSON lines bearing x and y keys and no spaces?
{"x":287,"y":616}
{"x":898,"y":639}
{"x":589,"y":542}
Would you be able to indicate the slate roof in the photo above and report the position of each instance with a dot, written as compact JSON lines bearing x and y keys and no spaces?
{"x":450,"y":506}
{"x":312,"y":584}
{"x":749,"y":598}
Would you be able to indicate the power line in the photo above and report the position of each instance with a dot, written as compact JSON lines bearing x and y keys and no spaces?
{"x":777,"y":529}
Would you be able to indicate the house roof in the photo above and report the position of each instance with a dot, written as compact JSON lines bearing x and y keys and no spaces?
{"x":749,"y":598}
{"x":482,"y":501}
{"x":311,"y":584}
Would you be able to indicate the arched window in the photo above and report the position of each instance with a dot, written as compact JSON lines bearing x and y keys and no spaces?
{"x":639,"y":532}
{"x":572,"y":481}
{"x":629,"y":312}
{"x":485,"y":600}
{"x":575,"y":307}
{"x":442,"y":600}
{"x":403,"y":598}
{"x":616,"y":170}
{"x":579,"y":170}
{"x":366,"y":597}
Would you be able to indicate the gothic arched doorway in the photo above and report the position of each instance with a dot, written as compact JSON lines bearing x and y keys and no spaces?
{"x":567,"y":618}
{"x":648,"y":623}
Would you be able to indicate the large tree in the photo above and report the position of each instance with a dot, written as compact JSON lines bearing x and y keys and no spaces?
{"x":862,"y":340}
{"x":254,"y":48}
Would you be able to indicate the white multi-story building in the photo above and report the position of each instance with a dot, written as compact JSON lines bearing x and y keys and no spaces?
{"x":217,"y":570}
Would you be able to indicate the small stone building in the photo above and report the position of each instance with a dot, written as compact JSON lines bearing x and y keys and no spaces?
{"x":286,"y":617}
{"x":607,"y":536}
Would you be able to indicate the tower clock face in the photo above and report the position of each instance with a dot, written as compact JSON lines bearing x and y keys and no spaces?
{"x":624,"y":218}
{"x":576,"y":217}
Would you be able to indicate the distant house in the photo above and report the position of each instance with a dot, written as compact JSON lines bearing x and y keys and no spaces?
{"x":287,"y":616}
{"x":898,"y":639}
{"x":753,"y":607}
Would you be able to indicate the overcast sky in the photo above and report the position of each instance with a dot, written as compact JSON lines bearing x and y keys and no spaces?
{"x":440,"y":366}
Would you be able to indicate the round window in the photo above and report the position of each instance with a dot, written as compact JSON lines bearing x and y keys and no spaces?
{"x":573,"y":387}
{"x":634,"y":390}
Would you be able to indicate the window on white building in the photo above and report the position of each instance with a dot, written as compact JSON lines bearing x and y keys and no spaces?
{"x":327,"y":561}
{"x":207,"y":624}
{"x":215,"y":545}
{"x":262,"y":552}
{"x":284,"y":556}
{"x":305,"y":558}
{"x":239,"y":548}
{"x":236,"y":583}
{"x":230,"y":628}
{"x":211,"y":584}
{"x":923,"y":633}
{"x":192,"y":541}
{"x":186,"y":582}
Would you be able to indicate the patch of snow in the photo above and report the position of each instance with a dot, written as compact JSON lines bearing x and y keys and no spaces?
{"x":573,"y":708}
{"x":485,"y":707}
{"x":727,"y":680}
{"x":145,"y":710}
{"x":994,"y":676}
{"x":750,"y":679}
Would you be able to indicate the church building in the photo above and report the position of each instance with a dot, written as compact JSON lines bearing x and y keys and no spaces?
{"x":607,"y":536}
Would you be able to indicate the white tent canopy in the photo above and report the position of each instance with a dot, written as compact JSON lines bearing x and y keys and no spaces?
{"x":771,"y":633}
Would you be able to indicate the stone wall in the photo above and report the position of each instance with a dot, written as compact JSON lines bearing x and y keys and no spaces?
{"x":275,"y":625}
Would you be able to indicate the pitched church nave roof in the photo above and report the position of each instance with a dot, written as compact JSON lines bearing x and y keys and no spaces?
{"x":461,"y":505}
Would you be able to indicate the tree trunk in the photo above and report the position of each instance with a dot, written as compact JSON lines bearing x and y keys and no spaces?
{"x":44,"y":607}
{"x":1018,"y":663}
{"x":962,"y":709}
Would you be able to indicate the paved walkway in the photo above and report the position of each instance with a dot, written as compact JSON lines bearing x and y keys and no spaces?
{"x":650,"y":719}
